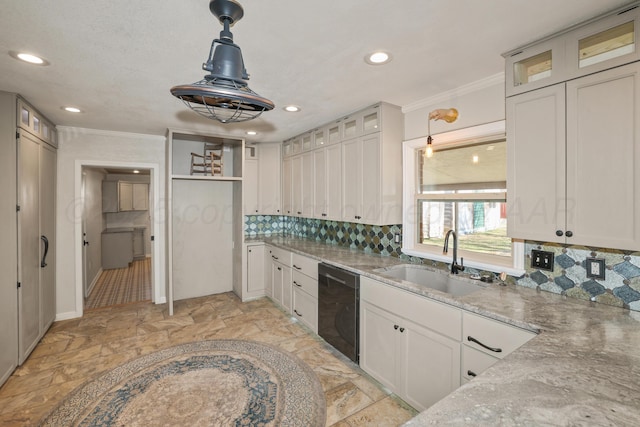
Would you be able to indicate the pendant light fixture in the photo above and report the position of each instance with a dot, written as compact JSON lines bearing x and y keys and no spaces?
{"x":448,"y":115}
{"x":223,"y":94}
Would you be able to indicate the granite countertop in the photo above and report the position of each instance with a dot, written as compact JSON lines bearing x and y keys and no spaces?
{"x":583,"y":368}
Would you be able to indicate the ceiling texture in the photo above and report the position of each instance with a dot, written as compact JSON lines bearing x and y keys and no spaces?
{"x":117,"y":59}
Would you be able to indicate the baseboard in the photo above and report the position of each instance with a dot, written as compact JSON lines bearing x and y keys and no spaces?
{"x":68,"y":315}
{"x":93,"y":282}
{"x":161,"y":300}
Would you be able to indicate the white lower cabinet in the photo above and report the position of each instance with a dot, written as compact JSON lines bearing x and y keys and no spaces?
{"x":305,"y":308}
{"x":486,"y":341}
{"x":409,"y":343}
{"x":281,"y":277}
{"x":255,"y":275}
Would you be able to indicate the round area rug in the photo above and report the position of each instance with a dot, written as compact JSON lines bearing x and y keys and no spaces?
{"x":207,"y":383}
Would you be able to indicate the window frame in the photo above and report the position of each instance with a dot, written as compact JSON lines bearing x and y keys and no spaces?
{"x":513,"y":265}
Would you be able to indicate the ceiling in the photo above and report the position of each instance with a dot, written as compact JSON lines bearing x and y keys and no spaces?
{"x":117,"y":59}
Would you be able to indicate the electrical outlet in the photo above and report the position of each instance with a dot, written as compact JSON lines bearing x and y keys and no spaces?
{"x":595,"y":268}
{"x":542,"y":260}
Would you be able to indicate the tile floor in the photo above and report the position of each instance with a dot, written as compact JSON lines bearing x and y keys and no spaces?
{"x":74,"y":351}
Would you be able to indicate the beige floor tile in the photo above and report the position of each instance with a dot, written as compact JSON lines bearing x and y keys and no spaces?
{"x":78,"y":350}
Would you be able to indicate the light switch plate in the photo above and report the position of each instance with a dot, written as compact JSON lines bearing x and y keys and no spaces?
{"x":542,"y":260}
{"x":595,"y":268}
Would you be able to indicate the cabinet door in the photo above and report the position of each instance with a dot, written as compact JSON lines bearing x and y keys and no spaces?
{"x":286,"y":186}
{"x":125,"y":196}
{"x":109,"y":196}
{"x":320,"y":183}
{"x":277,"y":280}
{"x":305,"y":308}
{"x":296,"y":185}
{"x":430,"y":365}
{"x":48,"y":230}
{"x":370,"y":180}
{"x":287,"y":296}
{"x":334,"y":182}
{"x":255,"y":269}
{"x":269,"y":179}
{"x":379,"y":339}
{"x":603,"y":159}
{"x":536,"y":164}
{"x":307,"y":184}
{"x":268,"y":279}
{"x":250,"y":187}
{"x":140,"y":196}
{"x":351,"y":180}
{"x":29,"y":244}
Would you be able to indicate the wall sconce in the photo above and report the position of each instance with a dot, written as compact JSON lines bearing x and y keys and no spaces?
{"x":448,"y":115}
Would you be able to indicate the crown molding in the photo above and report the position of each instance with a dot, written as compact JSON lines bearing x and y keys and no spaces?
{"x":459,"y":91}
{"x":70,"y":130}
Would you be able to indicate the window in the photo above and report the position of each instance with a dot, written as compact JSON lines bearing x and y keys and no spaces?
{"x":462,"y":188}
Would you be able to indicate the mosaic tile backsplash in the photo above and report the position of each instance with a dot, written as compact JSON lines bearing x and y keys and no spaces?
{"x":621,"y":286}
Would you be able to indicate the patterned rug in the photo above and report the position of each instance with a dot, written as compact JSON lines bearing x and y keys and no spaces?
{"x":208,"y":383}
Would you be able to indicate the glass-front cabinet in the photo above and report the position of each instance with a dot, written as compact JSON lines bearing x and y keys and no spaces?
{"x":597,"y":45}
{"x":319,"y":137}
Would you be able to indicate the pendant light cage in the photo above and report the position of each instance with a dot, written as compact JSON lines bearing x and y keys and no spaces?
{"x":224,"y":95}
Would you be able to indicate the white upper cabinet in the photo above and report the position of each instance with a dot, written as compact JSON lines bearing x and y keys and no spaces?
{"x":269,"y":179}
{"x":354,"y":172}
{"x":573,"y":157}
{"x":600,"y":44}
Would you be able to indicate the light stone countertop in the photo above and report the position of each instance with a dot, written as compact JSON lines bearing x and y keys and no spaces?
{"x":583,"y":369}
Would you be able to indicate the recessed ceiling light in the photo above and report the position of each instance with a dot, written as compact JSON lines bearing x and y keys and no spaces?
{"x":377,"y":58}
{"x":292,"y":108}
{"x":30,"y":58}
{"x":72,"y":109}
{"x":136,"y":171}
{"x":252,"y":132}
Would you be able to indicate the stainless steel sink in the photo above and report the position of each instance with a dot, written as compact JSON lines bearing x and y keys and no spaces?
{"x":431,"y":279}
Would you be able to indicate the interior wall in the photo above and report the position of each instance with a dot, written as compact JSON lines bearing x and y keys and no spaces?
{"x":483,"y":102}
{"x":96,"y":146}
{"x":94,"y":222}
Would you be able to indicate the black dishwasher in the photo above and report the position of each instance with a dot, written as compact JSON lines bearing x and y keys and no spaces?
{"x":338,"y":306}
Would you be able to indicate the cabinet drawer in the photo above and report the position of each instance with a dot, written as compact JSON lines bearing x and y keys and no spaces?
{"x":500,"y":337}
{"x":306,"y":283}
{"x":436,"y":316}
{"x":475,"y":362}
{"x":305,"y":265}
{"x":280,"y":255}
{"x":305,"y":308}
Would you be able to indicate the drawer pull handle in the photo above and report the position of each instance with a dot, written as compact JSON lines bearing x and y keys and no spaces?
{"x":296,"y":267}
{"x":471,"y":373}
{"x":297,"y":284}
{"x":274,"y":257}
{"x":494,"y":349}
{"x":296,"y":312}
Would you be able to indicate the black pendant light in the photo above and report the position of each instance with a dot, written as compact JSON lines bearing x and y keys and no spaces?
{"x":223,"y":94}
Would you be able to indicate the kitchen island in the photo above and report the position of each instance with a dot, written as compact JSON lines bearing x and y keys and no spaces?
{"x":583,"y":367}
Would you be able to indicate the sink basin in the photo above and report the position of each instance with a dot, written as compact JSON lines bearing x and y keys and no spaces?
{"x":430,"y":279}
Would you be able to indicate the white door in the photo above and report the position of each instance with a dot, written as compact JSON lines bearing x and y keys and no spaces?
{"x":29,"y":244}
{"x":370,"y":180}
{"x":47,"y":236}
{"x":430,"y":365}
{"x":536,"y":164}
{"x":85,"y":267}
{"x":320,"y":183}
{"x":379,"y":340}
{"x":351,"y":180}
{"x":334,"y":182}
{"x":603,"y":159}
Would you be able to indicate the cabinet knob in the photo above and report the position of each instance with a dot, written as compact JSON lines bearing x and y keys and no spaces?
{"x":559,"y":233}
{"x":569,"y":233}
{"x":396,"y":327}
{"x":401,"y":330}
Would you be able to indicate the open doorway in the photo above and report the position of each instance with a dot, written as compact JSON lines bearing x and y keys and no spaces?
{"x":117,"y":232}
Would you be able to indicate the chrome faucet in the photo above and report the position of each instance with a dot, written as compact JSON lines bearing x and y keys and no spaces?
{"x":454,"y":264}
